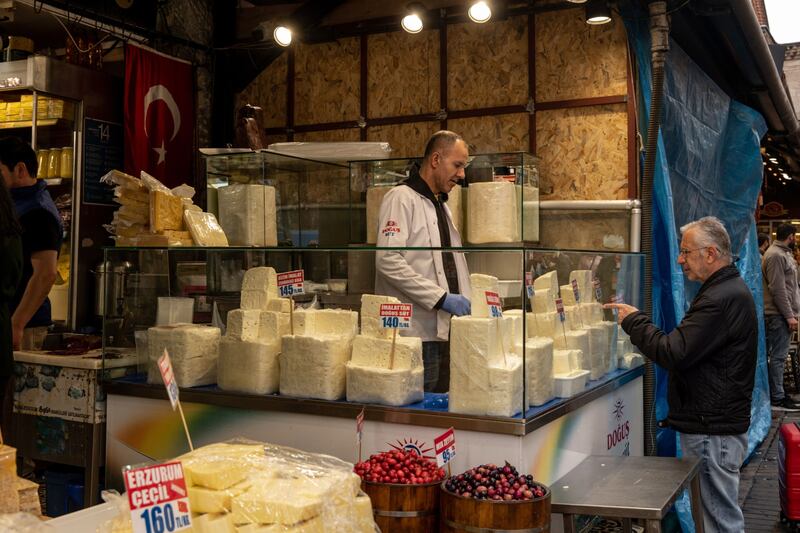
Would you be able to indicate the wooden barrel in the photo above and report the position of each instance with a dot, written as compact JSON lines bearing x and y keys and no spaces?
{"x":468,"y":515}
{"x":404,"y":508}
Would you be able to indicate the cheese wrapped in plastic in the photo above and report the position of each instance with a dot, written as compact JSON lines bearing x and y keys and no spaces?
{"x":166,"y":212}
{"x":204,"y":228}
{"x":245,"y":486}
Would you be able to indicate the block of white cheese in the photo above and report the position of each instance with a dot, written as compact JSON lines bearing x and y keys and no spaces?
{"x":539,"y":370}
{"x":481,"y":283}
{"x":384,"y":386}
{"x":530,"y":213}
{"x":591,"y":313}
{"x":566,"y":361}
{"x":543,"y":325}
{"x":280,"y":305}
{"x":243,"y":324}
{"x":575,"y":340}
{"x":376,"y":353}
{"x":371,"y":324}
{"x":320,"y":322}
{"x":492,"y":213}
{"x":568,"y":296}
{"x":548,"y":282}
{"x":276,"y":501}
{"x":250,"y":367}
{"x":247,"y":214}
{"x":584,"y":280}
{"x":598,"y":350}
{"x":212,"y":472}
{"x":374,"y":200}
{"x":516,"y":334}
{"x":212,"y":523}
{"x":544,"y":301}
{"x":314,"y":367}
{"x":204,"y":500}
{"x":261,"y":278}
{"x":611,"y":339}
{"x":480,"y":339}
{"x":193,"y":350}
{"x":631,"y":360}
{"x":568,"y":385}
{"x":505,"y":389}
{"x":273,"y":326}
{"x":204,"y":228}
{"x":624,"y":344}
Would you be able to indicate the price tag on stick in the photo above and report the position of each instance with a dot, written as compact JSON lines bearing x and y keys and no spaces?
{"x":576,"y":292}
{"x":359,"y":431}
{"x":598,"y":292}
{"x":445,"y":447}
{"x":395,"y":316}
{"x":165,"y":367}
{"x":562,"y":317}
{"x":529,"y":287}
{"x":158,"y":499}
{"x":289,"y":284}
{"x":496,"y":311}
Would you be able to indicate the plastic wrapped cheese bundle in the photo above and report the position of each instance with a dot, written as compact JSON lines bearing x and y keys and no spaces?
{"x":246,"y":486}
{"x":204,"y":228}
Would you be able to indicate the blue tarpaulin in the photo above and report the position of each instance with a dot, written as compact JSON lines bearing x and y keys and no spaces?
{"x":708,"y":163}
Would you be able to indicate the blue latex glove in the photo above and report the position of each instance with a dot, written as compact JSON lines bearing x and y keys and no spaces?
{"x":457,"y":305}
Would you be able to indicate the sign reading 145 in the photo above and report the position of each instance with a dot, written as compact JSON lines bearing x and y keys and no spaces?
{"x":290,"y":283}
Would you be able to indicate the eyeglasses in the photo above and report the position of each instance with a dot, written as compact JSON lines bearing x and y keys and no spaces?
{"x":683,"y":252}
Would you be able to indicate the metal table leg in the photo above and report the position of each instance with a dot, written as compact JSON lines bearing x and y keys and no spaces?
{"x":627,"y":525}
{"x":697,"y":504}
{"x":569,"y":523}
{"x":652,"y":526}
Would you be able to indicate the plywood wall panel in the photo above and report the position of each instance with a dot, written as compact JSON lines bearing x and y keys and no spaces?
{"x":402,"y":74}
{"x":577,"y":60}
{"x":268,"y":91}
{"x":583,"y":152}
{"x":501,"y":133}
{"x":345,"y":135}
{"x":487,"y":64}
{"x":406,"y":140}
{"x":327,"y":81}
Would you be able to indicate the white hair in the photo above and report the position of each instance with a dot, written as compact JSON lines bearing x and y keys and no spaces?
{"x":711,"y":233}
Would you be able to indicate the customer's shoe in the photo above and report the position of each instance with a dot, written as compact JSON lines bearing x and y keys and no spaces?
{"x":787,"y":404}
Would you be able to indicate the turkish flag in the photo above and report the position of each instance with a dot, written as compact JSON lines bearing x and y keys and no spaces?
{"x":159,"y":116}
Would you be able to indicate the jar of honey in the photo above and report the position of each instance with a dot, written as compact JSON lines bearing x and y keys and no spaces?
{"x":66,"y":162}
{"x":54,"y":163}
{"x":41,"y":159}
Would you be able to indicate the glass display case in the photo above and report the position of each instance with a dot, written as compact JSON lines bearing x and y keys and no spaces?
{"x":514,"y":358}
{"x":269,"y":199}
{"x":496,"y":203}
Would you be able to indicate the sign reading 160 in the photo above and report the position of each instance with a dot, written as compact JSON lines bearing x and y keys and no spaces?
{"x":158,"y":520}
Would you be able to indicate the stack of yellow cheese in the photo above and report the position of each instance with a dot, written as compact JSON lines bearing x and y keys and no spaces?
{"x":248,"y":487}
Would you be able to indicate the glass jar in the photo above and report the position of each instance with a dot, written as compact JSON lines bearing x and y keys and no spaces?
{"x":54,"y":163}
{"x":41,"y":158}
{"x":66,"y":162}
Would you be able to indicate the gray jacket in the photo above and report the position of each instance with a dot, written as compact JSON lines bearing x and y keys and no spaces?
{"x":781,"y":294}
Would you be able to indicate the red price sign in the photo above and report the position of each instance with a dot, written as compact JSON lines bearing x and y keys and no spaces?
{"x":576,"y":291}
{"x":445,"y":447}
{"x":495,"y":307}
{"x":560,"y":309}
{"x":165,"y":367}
{"x":598,"y":292}
{"x":529,"y":284}
{"x":396,"y":315}
{"x":158,"y":498}
{"x":290,"y":283}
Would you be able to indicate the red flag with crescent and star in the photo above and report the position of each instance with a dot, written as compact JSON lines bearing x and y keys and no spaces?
{"x":159,"y":115}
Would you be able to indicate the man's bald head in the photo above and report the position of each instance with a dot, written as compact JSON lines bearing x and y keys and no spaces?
{"x":441,"y":141}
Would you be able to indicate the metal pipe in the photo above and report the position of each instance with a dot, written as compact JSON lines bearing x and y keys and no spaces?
{"x":588,"y":205}
{"x":636,"y":229}
{"x":744,"y":13}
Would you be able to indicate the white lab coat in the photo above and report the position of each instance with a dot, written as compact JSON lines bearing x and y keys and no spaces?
{"x":408,"y":220}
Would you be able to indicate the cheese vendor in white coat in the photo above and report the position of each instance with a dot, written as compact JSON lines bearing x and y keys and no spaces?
{"x":415,"y":215}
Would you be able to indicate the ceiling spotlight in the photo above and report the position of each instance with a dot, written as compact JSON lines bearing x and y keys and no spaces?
{"x":479,"y":12}
{"x":412,"y":22}
{"x":597,"y":12}
{"x":282,"y":35}
{"x":577,"y":1}
{"x":773,"y":160}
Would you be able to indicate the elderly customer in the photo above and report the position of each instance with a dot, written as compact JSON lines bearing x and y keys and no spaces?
{"x":711,"y":360}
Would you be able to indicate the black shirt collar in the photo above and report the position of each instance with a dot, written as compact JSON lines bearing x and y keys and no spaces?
{"x":418,"y":184}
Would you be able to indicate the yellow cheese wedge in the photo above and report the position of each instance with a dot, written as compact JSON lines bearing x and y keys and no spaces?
{"x":203,"y":500}
{"x":166,"y":212}
{"x":213,"y":523}
{"x":214,"y":474}
{"x":277,"y":501}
